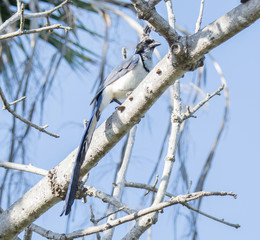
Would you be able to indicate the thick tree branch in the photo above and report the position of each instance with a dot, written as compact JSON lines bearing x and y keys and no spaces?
{"x":147,"y":12}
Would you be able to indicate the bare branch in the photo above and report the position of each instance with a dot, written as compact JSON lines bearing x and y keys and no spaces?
{"x":153,"y":189}
{"x":120,"y":182}
{"x":16,"y":101}
{"x":6,"y":106}
{"x":45,"y":233}
{"x":93,"y":192}
{"x":22,"y":18}
{"x":160,"y":25}
{"x":19,"y":32}
{"x":199,"y":20}
{"x":17,"y":15}
{"x":171,"y":16}
{"x":181,"y":199}
{"x":173,"y":201}
{"x":190,"y":112}
{"x":109,"y":214}
{"x":154,"y":185}
{"x":93,"y":220}
{"x":144,"y":223}
{"x":22,"y":167}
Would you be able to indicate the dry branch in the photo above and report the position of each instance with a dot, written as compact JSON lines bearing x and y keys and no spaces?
{"x":153,"y":189}
{"x":18,"y":14}
{"x":22,"y":32}
{"x":6,"y":106}
{"x":22,"y":167}
{"x":173,"y":201}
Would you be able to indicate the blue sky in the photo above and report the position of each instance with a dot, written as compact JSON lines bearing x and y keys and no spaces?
{"x":236,"y":163}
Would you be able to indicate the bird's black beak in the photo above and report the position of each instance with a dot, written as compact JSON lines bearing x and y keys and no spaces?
{"x":154,"y":44}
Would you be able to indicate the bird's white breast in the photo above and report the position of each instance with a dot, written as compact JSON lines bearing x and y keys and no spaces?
{"x":120,"y":88}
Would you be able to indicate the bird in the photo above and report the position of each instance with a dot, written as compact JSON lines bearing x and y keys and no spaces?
{"x":116,"y":88}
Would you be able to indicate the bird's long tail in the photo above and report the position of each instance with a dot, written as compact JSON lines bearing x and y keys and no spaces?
{"x":83,"y":148}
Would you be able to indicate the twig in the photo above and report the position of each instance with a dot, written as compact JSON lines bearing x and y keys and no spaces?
{"x":18,"y":4}
{"x":151,"y":188}
{"x":190,"y":112}
{"x":37,"y":30}
{"x":16,"y":16}
{"x":199,"y":20}
{"x":16,"y":101}
{"x":93,"y":192}
{"x":171,"y":16}
{"x":93,"y":220}
{"x":109,"y":214}
{"x":22,"y":167}
{"x":173,"y":201}
{"x":119,"y":187}
{"x":22,"y":18}
{"x":6,"y":106}
{"x":209,"y":160}
{"x":154,"y":185}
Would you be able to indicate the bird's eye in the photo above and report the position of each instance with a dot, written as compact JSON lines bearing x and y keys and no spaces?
{"x":149,"y":41}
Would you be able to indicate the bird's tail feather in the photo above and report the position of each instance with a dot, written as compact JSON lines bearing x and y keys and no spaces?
{"x":83,"y":148}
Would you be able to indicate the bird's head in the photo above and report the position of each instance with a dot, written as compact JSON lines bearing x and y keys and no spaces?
{"x":146,"y":45}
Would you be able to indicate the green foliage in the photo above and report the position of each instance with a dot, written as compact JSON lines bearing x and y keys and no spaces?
{"x":75,"y":53}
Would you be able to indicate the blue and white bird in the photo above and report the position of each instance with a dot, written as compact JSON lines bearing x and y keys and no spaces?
{"x":117,"y":86}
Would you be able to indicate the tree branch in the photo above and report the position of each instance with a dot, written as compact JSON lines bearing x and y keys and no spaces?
{"x":190,"y":112}
{"x":37,"y":30}
{"x":22,"y":167}
{"x":153,"y":189}
{"x":147,"y":12}
{"x":144,"y":223}
{"x":199,"y":20}
{"x":6,"y":106}
{"x":173,"y":201}
{"x":17,"y":15}
{"x":120,"y":182}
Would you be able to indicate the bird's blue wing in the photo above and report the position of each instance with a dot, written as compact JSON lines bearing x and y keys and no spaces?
{"x":122,"y":69}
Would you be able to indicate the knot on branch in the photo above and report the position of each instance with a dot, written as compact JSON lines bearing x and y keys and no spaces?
{"x":180,"y":57}
{"x":179,"y":54}
{"x":56,"y":189}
